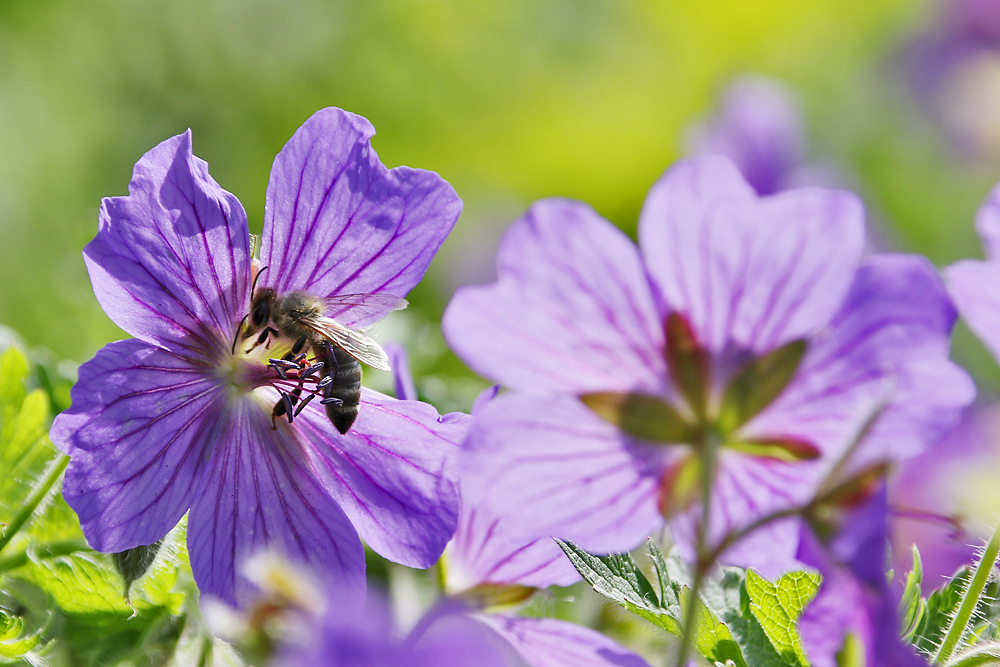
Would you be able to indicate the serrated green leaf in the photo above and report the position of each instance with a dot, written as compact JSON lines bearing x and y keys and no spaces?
{"x":712,"y":637}
{"x":777,"y":607}
{"x":940,"y":607}
{"x":85,"y":582}
{"x":618,"y":578}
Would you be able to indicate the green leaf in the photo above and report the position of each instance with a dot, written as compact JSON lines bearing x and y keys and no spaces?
{"x":911,"y":606}
{"x":777,"y":607}
{"x":24,"y":445}
{"x":618,"y":578}
{"x":14,"y":641}
{"x":726,"y":596}
{"x":941,"y":606}
{"x":85,"y":582}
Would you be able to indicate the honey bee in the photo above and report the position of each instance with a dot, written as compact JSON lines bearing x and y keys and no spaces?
{"x":301,"y":318}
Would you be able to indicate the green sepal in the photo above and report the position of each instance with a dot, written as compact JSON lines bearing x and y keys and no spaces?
{"x":688,"y":363}
{"x":781,"y":449}
{"x":642,"y":416}
{"x":757,"y":384}
{"x":496,"y":596}
{"x":132,"y":564}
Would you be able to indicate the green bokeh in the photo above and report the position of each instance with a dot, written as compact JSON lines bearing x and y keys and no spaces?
{"x":510,"y":101}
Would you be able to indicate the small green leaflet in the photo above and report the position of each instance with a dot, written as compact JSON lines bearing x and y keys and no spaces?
{"x":777,"y":608}
{"x":743,"y":620}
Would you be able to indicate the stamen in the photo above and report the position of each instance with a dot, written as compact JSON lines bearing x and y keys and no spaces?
{"x":325,"y":382}
{"x":285,"y":364}
{"x":303,"y":404}
{"x":288,"y":406}
{"x":331,"y":401}
{"x":311,"y":370}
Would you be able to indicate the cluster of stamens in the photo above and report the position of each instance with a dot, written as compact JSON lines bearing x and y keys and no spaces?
{"x":298,"y":382}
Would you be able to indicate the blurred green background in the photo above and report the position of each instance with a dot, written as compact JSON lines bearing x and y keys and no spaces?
{"x":510,"y":101}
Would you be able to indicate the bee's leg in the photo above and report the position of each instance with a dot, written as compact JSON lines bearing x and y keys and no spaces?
{"x":261,"y":338}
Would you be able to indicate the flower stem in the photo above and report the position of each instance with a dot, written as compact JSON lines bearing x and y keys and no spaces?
{"x":709,"y":448}
{"x":970,"y":599}
{"x":38,"y":494}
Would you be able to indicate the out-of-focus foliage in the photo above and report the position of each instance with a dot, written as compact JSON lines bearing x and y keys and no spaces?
{"x":509,"y":101}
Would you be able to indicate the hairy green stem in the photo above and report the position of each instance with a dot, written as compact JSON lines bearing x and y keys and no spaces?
{"x":15,"y":559}
{"x":970,"y":599}
{"x":38,"y":494}
{"x":709,"y":446}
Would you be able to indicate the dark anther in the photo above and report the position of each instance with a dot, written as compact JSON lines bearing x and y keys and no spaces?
{"x":311,"y":370}
{"x":325,"y":382}
{"x":303,"y":404}
{"x":331,"y":401}
{"x":285,"y":364}
{"x":299,"y":344}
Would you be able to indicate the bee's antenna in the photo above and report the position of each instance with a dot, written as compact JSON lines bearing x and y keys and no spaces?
{"x":238,"y":329}
{"x":255,"y":279}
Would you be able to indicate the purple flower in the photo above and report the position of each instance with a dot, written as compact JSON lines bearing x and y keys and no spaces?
{"x":488,"y":572}
{"x":925,"y":503}
{"x":748,"y":322}
{"x":347,"y":638}
{"x":972,"y":283}
{"x":759,"y":127}
{"x":488,"y":568}
{"x":854,"y":598}
{"x":954,"y":71}
{"x":184,"y":416}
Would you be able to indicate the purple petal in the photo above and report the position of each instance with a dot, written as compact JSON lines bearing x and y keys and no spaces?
{"x":137,"y":435}
{"x":392,"y":474}
{"x":338,"y":222}
{"x":973,"y":287}
{"x":259,"y":494}
{"x":553,"y":468}
{"x":549,"y":642}
{"x":988,"y":224}
{"x":887,"y":349}
{"x":747,"y":488}
{"x":483,"y":552}
{"x":572,"y":310}
{"x":755,"y":272}
{"x":169,"y":263}
{"x":402,"y":378}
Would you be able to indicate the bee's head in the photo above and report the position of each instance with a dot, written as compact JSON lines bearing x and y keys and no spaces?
{"x":260,"y":307}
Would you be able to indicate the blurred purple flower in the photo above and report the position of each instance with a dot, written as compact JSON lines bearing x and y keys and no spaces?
{"x":180,"y":417}
{"x":488,"y":572}
{"x":973,"y":283}
{"x":745,"y":319}
{"x":954,"y":70}
{"x":854,"y":598}
{"x":347,"y":638}
{"x":759,"y":127}
{"x":924,"y":503}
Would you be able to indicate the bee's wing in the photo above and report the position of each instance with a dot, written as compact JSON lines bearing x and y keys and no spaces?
{"x":363,"y":306}
{"x":355,"y":343}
